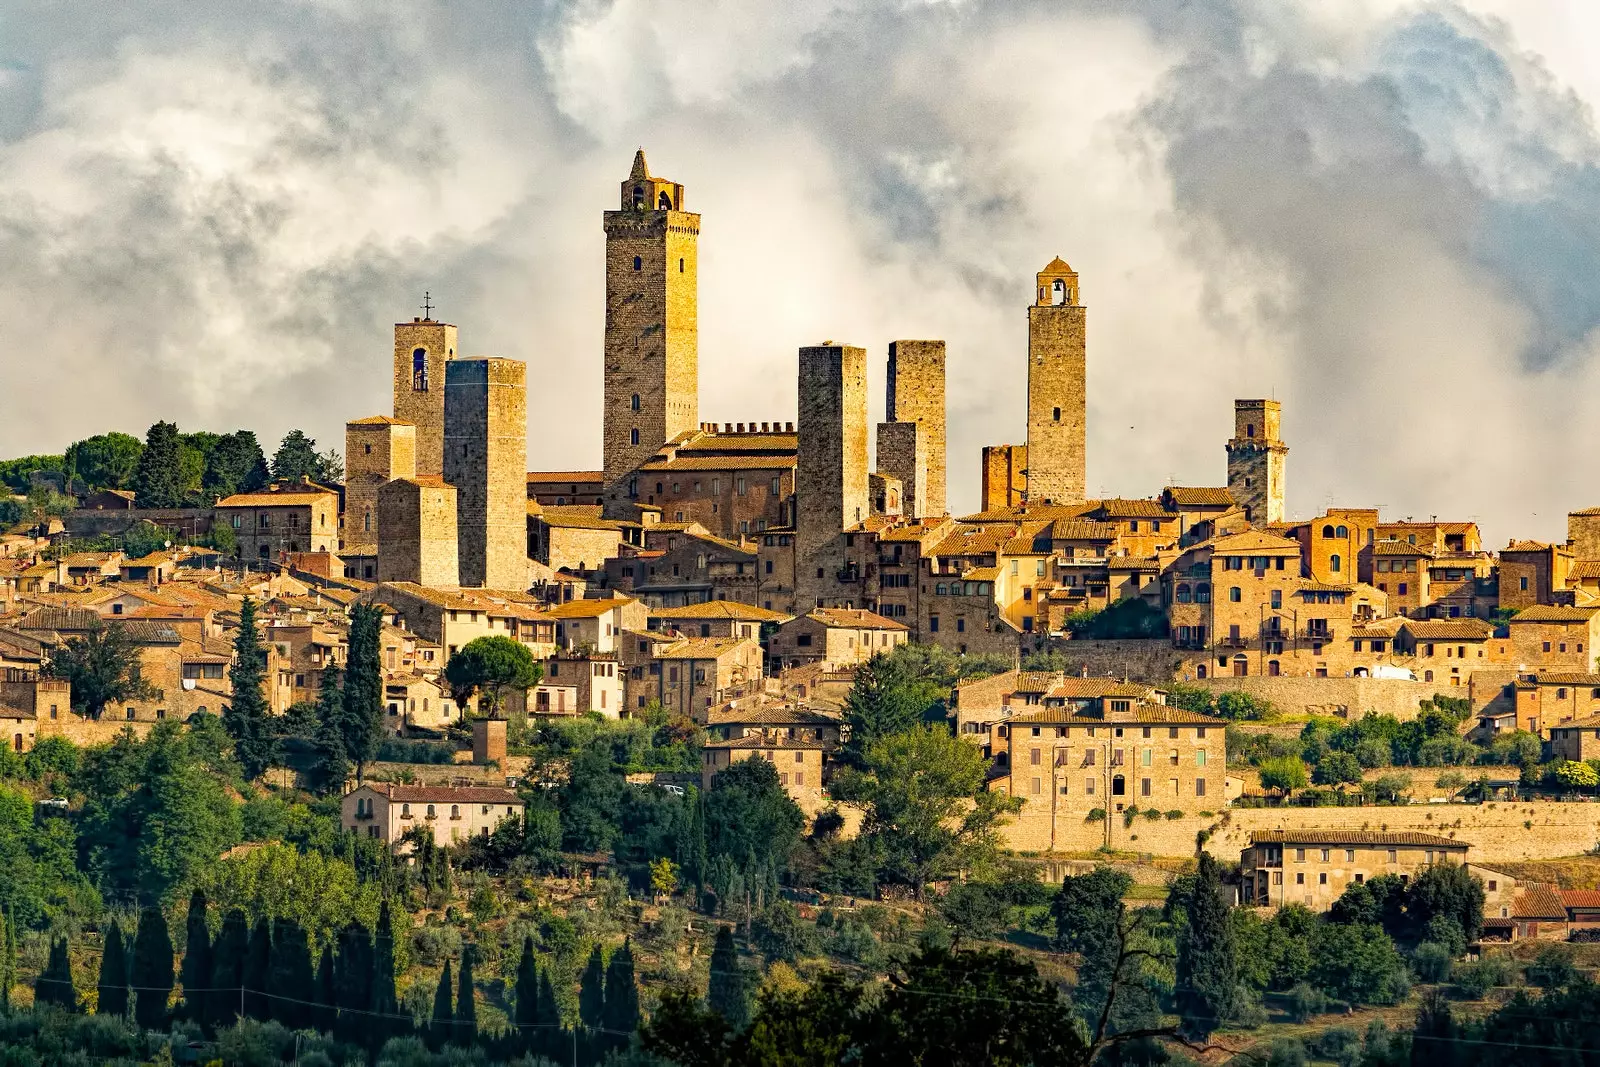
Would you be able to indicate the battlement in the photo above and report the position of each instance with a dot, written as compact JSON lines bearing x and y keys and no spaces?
{"x":747,"y":427}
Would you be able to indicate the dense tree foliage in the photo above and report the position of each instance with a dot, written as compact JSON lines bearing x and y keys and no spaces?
{"x":245,"y":717}
{"x":491,"y":665}
{"x":103,"y":667}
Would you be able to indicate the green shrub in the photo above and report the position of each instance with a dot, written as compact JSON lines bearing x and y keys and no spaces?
{"x":1174,"y":814}
{"x":1432,"y":962}
{"x":1095,"y":815}
{"x":1306,"y":1002}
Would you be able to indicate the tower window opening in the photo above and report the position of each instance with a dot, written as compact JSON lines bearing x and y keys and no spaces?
{"x":1056,"y":414}
{"x":664,"y":203}
{"x":638,"y":262}
{"x":634,"y":436}
{"x":419,"y":370}
{"x":1250,"y":429}
{"x":1058,"y":292}
{"x":635,"y":402}
{"x":680,"y":265}
{"x":638,"y":197}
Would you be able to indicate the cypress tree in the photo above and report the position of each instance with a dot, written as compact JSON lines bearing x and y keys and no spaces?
{"x":728,"y":993}
{"x":290,"y":978}
{"x":257,"y":968}
{"x":466,"y":1002}
{"x":352,"y":981}
{"x":245,"y":717}
{"x":362,"y":721}
{"x":526,"y":1016}
{"x":158,"y":481}
{"x":1207,"y":973}
{"x":325,"y":1014}
{"x":111,"y":992}
{"x":332,"y":765}
{"x":197,"y":965}
{"x":443,"y":1021}
{"x":551,"y":1035}
{"x":54,"y":984}
{"x":622,"y":998}
{"x":152,"y":970}
{"x":228,"y":957}
{"x":8,"y":956}
{"x":695,"y":861}
{"x":385,"y":1003}
{"x":592,"y":1007}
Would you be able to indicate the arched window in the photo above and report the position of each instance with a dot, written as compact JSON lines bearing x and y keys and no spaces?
{"x":1202,"y":593}
{"x":1250,"y":429}
{"x":1427,"y":676}
{"x":1343,"y":531}
{"x":1119,"y":786}
{"x":664,"y":203}
{"x":419,"y":370}
{"x":366,"y":520}
{"x":1234,"y":594}
{"x":1327,"y":531}
{"x":1334,"y":563}
{"x":1200,"y":671}
{"x":634,"y":403}
{"x":633,"y":438}
{"x":638,"y":262}
{"x":1058,"y":292}
{"x":1183,"y":593}
{"x":639,"y":202}
{"x":455,"y":811}
{"x":1272,"y":668}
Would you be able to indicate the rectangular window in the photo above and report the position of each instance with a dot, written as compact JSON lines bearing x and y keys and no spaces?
{"x":1322,"y":879}
{"x":1088,"y":787}
{"x":1144,"y":787}
{"x":1033,"y":757}
{"x":1035,"y":787}
{"x":1349,"y":855}
{"x":1325,"y":855}
{"x":1299,"y":855}
{"x":1300,"y":878}
{"x":1199,"y":787}
{"x":1392,"y":855}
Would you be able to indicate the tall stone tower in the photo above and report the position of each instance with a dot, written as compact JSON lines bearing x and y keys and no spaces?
{"x":417,"y":532}
{"x":652,"y":356}
{"x":422,"y":347}
{"x":1005,"y":476}
{"x":376,"y":450}
{"x":915,"y":398}
{"x":831,"y":491}
{"x":1256,"y":460}
{"x":486,"y":459}
{"x":1057,"y":389}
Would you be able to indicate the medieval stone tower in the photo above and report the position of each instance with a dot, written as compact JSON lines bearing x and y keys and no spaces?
{"x":1256,"y":460}
{"x":652,"y":361}
{"x":418,"y":519}
{"x":486,"y":459}
{"x":1057,"y":389}
{"x":1005,"y":476}
{"x":911,"y":443}
{"x":376,"y":450}
{"x":831,"y":492}
{"x":422,"y":347}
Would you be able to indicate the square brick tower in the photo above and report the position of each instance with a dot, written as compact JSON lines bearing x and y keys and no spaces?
{"x":376,"y":450}
{"x":486,"y":459}
{"x":1256,"y":460}
{"x":1005,"y":476}
{"x":652,"y":345}
{"x":831,"y":491}
{"x":1057,"y":389}
{"x":916,"y":396}
{"x":417,"y":532}
{"x":422,"y":347}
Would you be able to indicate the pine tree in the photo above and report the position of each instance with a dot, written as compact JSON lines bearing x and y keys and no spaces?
{"x":526,"y":1016}
{"x":111,"y":992}
{"x":444,"y":1020}
{"x":622,"y":998}
{"x":229,"y":954}
{"x":257,"y":969}
{"x":332,"y":765}
{"x":54,"y":984}
{"x":197,"y":966}
{"x":361,"y":723}
{"x":152,"y":970}
{"x":326,"y":1013}
{"x":1207,"y":973}
{"x":159,"y":480}
{"x":466,"y":1002}
{"x":728,"y":992}
{"x":290,"y":978}
{"x":245,"y":717}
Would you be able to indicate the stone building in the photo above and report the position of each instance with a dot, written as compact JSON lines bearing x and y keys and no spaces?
{"x":418,"y":527}
{"x":572,"y":537}
{"x":450,"y":813}
{"x":1005,"y":477}
{"x":596,"y":625}
{"x":578,"y":684}
{"x":716,"y":618}
{"x":1554,"y":636}
{"x":652,"y":372}
{"x":1057,"y":389}
{"x":1313,"y":867}
{"x":832,"y":467}
{"x":284,"y":517}
{"x":735,"y":481}
{"x":691,"y":675}
{"x":798,"y":762}
{"x":376,"y":450}
{"x":450,"y":618}
{"x":486,"y":459}
{"x":562,"y":488}
{"x":836,"y":637}
{"x":1532,"y":572}
{"x":1256,"y":460}
{"x":911,"y":443}
{"x":422,"y":348}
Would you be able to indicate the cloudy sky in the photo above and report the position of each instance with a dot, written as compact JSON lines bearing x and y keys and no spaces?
{"x":1385,"y":214}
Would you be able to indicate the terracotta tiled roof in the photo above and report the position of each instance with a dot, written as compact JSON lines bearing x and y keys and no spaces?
{"x":1449,"y":629}
{"x":1527,"y":546}
{"x":702,"y":647}
{"x":288,"y":497}
{"x":721,"y":609}
{"x":448,"y":794}
{"x":586,"y":609}
{"x":981,"y":574}
{"x":1581,"y":898}
{"x":1253,"y":542}
{"x":1198,"y":497}
{"x":973,"y":541}
{"x":378,"y":420}
{"x":854,"y":618}
{"x":573,"y":477}
{"x":757,"y":741}
{"x":1325,"y":587}
{"x":1132,"y":563}
{"x":1080,"y":688}
{"x":1553,"y":613}
{"x":1588,"y":722}
{"x":1082,"y":530}
{"x":1538,"y":901}
{"x":1566,"y":678}
{"x":569,"y":517}
{"x":1398,"y":548}
{"x":1586,"y":569}
{"x":1143,"y":714}
{"x":1586,"y":512}
{"x":721,"y":463}
{"x":772,"y":715}
{"x":1402,"y":838}
{"x":1118,"y":508}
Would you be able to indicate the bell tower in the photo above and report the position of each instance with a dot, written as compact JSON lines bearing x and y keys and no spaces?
{"x":1057,"y":389}
{"x":652,"y":368}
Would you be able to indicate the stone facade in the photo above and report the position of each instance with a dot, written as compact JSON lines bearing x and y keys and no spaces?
{"x":376,"y":450}
{"x":1313,"y":867}
{"x":903,"y":458}
{"x":1057,"y":389}
{"x":417,"y":517}
{"x":286,"y":517}
{"x":1256,"y":460}
{"x":422,"y":348}
{"x":1583,"y":534}
{"x":451,"y":813}
{"x":486,"y":459}
{"x":1005,"y":477}
{"x":832,"y":468}
{"x":652,"y":374}
{"x":916,"y":394}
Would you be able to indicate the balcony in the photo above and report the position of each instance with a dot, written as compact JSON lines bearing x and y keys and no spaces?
{"x":363,"y":815}
{"x":847,"y":574}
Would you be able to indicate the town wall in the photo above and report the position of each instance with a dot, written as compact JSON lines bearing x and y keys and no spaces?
{"x":188,"y":522}
{"x":1341,"y":697}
